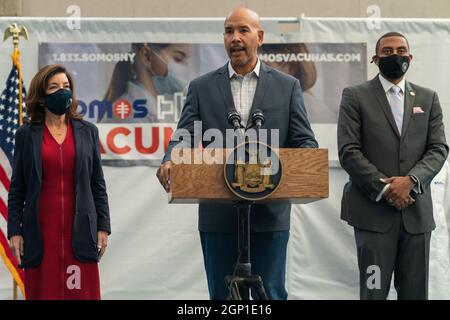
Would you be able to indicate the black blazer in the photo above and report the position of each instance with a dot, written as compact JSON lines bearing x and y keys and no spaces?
{"x":91,"y":204}
{"x":279,"y":96}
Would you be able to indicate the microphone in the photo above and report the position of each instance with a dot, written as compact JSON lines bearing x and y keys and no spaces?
{"x":258,"y":118}
{"x":234,"y":118}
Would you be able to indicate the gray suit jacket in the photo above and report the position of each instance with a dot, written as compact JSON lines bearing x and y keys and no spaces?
{"x":279,"y":96}
{"x":370,"y":147}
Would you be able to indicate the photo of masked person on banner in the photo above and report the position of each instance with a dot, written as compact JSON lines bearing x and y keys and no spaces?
{"x":323,"y":70}
{"x":158,"y":70}
{"x":306,"y":72}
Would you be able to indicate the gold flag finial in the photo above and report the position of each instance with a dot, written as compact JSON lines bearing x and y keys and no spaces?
{"x":15,"y":32}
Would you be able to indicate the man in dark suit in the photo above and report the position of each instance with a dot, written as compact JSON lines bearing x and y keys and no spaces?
{"x":391,"y":142}
{"x":243,"y":85}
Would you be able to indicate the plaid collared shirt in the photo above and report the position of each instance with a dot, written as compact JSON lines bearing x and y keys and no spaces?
{"x":243,"y":90}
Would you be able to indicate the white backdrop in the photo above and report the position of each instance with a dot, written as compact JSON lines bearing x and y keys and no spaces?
{"x":154,"y":251}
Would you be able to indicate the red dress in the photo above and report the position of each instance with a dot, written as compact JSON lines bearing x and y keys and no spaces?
{"x":60,"y":275}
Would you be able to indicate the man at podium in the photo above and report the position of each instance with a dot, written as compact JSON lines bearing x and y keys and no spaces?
{"x":244,"y":84}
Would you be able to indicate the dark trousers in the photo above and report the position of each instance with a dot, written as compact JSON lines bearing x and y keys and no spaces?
{"x":395,"y":252}
{"x":267,"y":256}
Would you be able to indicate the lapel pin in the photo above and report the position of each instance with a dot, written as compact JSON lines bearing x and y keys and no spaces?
{"x":412,"y":93}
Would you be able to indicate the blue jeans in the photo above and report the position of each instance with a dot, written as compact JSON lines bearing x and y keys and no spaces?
{"x":267,"y":256}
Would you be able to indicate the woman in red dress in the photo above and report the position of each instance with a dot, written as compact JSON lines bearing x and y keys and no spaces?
{"x":61,"y":233}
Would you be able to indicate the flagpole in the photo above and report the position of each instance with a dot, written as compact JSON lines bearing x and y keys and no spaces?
{"x":16,"y":61}
{"x":15,"y":286}
{"x":16,"y":32}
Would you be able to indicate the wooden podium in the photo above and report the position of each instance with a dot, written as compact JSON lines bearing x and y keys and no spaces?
{"x":305,"y":178}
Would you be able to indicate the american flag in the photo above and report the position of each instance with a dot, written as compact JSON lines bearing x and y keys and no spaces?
{"x":9,"y":123}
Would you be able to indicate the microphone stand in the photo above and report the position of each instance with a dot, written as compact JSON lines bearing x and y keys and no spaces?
{"x":242,"y":282}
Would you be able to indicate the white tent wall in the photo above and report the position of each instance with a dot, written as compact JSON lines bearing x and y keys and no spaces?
{"x":154,"y":251}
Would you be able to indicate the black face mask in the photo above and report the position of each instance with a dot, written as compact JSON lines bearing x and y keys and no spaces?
{"x":59,"y":101}
{"x":393,"y":66}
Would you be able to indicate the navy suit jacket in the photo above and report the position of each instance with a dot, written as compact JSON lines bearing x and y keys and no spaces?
{"x":279,"y":97}
{"x":91,"y":204}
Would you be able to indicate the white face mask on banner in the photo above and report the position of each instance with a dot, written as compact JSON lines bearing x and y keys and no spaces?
{"x":181,"y":72}
{"x":176,"y":80}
